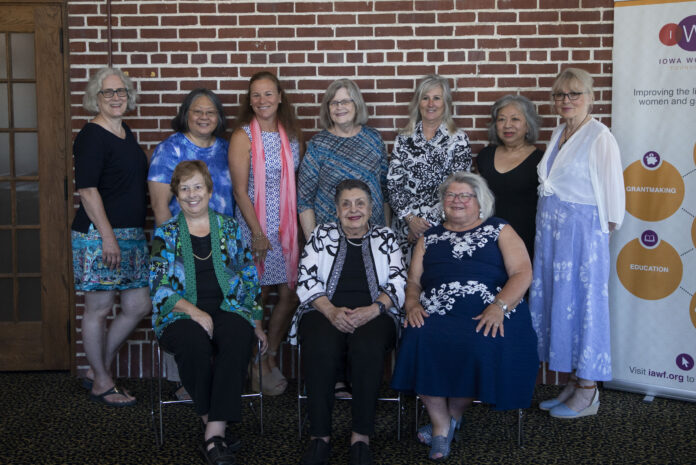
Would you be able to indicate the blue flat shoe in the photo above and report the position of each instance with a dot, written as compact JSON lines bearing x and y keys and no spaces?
{"x":441,"y":444}
{"x":425,"y":433}
{"x":564,"y":412}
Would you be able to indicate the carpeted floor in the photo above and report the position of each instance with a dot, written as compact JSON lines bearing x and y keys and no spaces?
{"x":46,"y":418}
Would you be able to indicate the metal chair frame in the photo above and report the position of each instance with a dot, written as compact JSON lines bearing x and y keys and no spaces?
{"x":159,"y":439}
{"x":302,"y":419}
{"x":520,"y":418}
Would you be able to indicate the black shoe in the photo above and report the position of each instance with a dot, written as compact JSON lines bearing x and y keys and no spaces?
{"x":360,"y":454}
{"x":219,"y":454}
{"x":317,"y":453}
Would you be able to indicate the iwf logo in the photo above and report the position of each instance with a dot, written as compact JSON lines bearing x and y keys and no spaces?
{"x":682,"y":34}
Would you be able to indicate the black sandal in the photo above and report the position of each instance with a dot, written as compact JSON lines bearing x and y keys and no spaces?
{"x":219,"y":453}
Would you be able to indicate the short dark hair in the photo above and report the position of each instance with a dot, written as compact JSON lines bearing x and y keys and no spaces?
{"x":180,"y":121}
{"x":186,"y":170}
{"x":348,"y":184}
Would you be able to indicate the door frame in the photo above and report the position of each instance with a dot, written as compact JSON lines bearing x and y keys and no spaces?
{"x":62,"y":146}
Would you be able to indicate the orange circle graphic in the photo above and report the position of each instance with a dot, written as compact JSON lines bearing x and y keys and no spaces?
{"x":693,"y":232}
{"x":649,"y":274}
{"x":653,"y":195}
{"x":692,"y":310}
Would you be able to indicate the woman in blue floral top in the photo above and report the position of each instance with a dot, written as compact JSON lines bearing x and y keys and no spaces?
{"x":204,"y":286}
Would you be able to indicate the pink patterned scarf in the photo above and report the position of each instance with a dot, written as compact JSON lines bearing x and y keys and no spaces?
{"x":288,"y":198}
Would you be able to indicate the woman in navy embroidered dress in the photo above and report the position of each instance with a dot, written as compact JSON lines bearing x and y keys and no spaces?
{"x":467,"y":275}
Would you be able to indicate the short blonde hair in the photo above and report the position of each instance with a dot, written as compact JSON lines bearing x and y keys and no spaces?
{"x":577,"y":79}
{"x":89,"y":100}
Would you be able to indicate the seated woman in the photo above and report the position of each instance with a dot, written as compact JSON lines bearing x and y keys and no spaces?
{"x":203,"y":286}
{"x":351,"y":289}
{"x":467,"y":276}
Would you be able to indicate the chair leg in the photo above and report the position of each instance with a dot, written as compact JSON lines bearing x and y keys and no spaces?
{"x":260,"y":388}
{"x":520,"y":417}
{"x":159,"y":395}
{"x":299,"y":391}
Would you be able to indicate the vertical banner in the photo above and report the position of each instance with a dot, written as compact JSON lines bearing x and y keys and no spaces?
{"x":653,"y":302}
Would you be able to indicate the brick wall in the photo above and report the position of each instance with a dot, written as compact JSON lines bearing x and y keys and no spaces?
{"x":488,"y":48}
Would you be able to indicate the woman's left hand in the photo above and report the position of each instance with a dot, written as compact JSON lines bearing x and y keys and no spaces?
{"x":361,"y":315}
{"x":261,"y":335}
{"x":491,"y":320}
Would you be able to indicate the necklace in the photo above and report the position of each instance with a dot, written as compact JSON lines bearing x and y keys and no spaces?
{"x":204,"y":258}
{"x":359,"y":244}
{"x":573,"y":131}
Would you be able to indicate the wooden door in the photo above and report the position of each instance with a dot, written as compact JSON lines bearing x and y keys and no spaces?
{"x":35,"y":276}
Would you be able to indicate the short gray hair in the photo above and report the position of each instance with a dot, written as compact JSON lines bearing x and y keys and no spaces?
{"x":353,"y":90}
{"x":89,"y":100}
{"x":414,"y":116}
{"x":484,"y":196}
{"x":526,"y":107}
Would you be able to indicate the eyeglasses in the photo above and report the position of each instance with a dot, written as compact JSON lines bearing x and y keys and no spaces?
{"x":341,"y":103}
{"x":200,"y":113}
{"x":462,"y":196}
{"x":561,"y":96}
{"x":109,"y":93}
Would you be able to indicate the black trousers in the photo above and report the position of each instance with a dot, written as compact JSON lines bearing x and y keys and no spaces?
{"x":323,"y":348}
{"x":212,"y":371}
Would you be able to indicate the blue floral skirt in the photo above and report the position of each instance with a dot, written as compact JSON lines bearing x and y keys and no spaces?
{"x":569,"y":296}
{"x":91,"y":274}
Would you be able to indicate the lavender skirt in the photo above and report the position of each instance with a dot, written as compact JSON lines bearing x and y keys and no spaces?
{"x":569,"y":299}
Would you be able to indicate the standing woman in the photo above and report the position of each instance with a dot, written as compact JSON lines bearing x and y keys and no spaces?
{"x":427,"y":150}
{"x":581,"y":202}
{"x":345,"y":149}
{"x":509,"y":164}
{"x":263,"y":157}
{"x":110,"y":252}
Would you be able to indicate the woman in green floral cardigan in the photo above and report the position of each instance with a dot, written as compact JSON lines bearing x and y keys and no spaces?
{"x":204,"y":286}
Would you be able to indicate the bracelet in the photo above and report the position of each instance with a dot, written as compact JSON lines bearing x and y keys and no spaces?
{"x":257,"y":236}
{"x":409,"y":218}
{"x":503,"y":306}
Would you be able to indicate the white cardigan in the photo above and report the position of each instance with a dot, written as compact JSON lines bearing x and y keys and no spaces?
{"x":587,"y":170}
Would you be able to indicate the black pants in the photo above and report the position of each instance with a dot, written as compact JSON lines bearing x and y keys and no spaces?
{"x":212,"y":371}
{"x":323,"y":347}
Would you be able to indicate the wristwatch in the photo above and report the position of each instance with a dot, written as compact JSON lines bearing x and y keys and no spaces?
{"x":382,"y":307}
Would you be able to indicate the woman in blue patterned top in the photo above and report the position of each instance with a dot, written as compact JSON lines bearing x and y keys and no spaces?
{"x":199,"y":125}
{"x":427,"y":150}
{"x":345,"y":149}
{"x":204,"y":286}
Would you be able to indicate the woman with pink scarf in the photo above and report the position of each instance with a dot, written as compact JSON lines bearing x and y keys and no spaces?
{"x":264,"y":154}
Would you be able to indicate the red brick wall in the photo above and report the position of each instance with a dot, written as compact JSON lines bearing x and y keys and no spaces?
{"x":487,"y":47}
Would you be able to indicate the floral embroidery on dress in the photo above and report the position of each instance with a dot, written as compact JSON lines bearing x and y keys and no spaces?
{"x":469,"y":243}
{"x":442,"y":298}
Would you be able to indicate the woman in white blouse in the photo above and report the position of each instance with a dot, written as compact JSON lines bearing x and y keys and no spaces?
{"x":581,"y":201}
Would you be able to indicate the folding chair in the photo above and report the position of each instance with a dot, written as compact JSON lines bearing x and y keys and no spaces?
{"x":156,"y":354}
{"x":301,"y":395}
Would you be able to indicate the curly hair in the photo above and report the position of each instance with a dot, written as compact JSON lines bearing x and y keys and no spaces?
{"x":89,"y":100}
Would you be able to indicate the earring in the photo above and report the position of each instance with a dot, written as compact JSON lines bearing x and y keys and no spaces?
{"x":442,"y":214}
{"x":480,"y":214}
